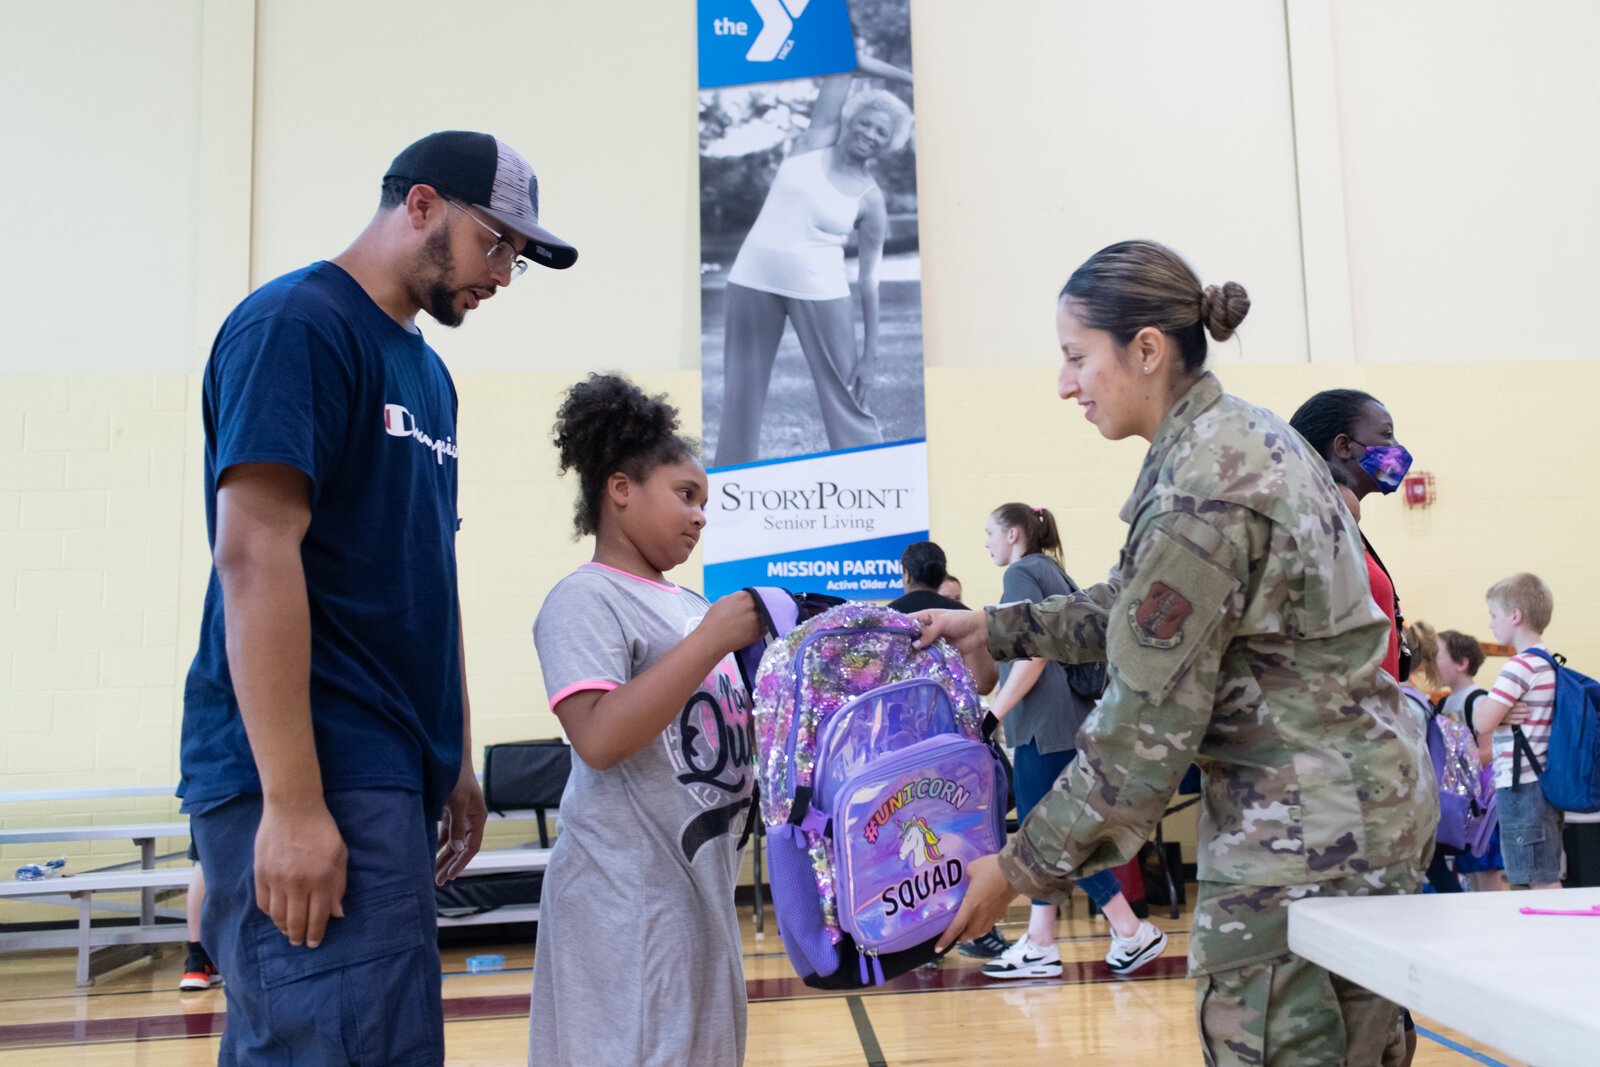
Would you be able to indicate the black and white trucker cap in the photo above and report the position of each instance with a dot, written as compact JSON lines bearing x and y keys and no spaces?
{"x":490,"y":175}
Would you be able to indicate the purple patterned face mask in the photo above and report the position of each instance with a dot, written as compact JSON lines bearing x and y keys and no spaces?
{"x":1387,"y":464}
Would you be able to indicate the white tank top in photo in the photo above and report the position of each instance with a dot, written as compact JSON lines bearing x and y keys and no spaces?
{"x":796,"y":247}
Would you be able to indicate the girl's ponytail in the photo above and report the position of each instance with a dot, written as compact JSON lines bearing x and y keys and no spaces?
{"x":1037,"y":525}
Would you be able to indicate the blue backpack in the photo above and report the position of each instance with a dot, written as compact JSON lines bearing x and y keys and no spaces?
{"x":1570,"y":774}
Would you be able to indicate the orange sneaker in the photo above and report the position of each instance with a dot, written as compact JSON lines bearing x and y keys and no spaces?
{"x":197,"y":975}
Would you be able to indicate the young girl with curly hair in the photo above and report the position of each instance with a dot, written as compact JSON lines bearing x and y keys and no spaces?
{"x":639,"y":956}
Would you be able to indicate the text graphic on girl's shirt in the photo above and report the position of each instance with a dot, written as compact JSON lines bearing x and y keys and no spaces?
{"x":710,"y":746}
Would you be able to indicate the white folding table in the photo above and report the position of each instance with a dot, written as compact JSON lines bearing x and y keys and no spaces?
{"x":1525,"y":984}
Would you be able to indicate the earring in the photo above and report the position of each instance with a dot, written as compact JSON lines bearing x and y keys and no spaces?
{"x":1147,"y":368}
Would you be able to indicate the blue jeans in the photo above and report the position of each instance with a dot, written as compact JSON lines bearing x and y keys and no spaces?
{"x":370,"y":993}
{"x":1033,"y":775}
{"x":1530,"y":834}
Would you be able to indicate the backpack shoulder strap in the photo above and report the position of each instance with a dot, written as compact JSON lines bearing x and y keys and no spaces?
{"x":1520,"y":748}
{"x":1555,"y":659}
{"x":779,"y":613}
{"x":1466,"y":710}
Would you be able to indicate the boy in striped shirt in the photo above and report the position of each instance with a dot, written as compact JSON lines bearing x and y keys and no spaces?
{"x":1523,"y":696}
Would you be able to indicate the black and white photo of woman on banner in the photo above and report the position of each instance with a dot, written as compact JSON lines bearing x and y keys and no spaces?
{"x":811,"y":316}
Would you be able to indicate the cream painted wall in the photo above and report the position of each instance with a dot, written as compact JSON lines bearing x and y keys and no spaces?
{"x":221,"y":143}
{"x":603,"y":107}
{"x":101,"y":174}
{"x":1469,"y":155}
{"x":1048,"y":130}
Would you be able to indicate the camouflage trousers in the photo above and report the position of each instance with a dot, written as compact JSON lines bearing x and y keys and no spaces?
{"x":1259,"y":1005}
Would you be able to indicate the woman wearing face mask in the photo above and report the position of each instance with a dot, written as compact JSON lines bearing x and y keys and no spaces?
{"x":1354,"y":434}
{"x":791,"y":267}
{"x":1240,"y":634}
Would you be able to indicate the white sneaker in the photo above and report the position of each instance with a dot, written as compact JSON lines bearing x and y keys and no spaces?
{"x":1128,"y":955}
{"x":1024,"y":959}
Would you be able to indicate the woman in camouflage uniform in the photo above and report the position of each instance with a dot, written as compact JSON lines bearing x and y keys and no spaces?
{"x":1240,"y":634}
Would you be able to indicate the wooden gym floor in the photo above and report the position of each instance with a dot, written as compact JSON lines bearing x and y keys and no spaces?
{"x":949,"y":1016}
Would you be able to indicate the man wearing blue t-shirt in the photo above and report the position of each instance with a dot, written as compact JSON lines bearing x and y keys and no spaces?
{"x":326,"y":730}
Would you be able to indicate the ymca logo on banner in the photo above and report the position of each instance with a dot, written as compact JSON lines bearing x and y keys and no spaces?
{"x":766,"y":40}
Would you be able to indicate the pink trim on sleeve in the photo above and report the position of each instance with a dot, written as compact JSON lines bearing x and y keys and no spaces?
{"x":594,"y":685}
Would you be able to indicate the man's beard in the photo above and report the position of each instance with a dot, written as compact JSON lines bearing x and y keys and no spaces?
{"x":439,"y":300}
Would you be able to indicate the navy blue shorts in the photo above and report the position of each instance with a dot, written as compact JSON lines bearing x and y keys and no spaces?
{"x":370,"y":993}
{"x":1033,"y":775}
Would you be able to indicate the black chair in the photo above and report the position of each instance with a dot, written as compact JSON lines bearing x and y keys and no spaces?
{"x":527,"y":776}
{"x":1189,"y":792}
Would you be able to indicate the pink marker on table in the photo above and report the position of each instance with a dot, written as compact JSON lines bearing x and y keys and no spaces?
{"x":1592,"y":910}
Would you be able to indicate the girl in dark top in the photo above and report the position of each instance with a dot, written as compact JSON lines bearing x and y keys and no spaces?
{"x":1042,"y":713}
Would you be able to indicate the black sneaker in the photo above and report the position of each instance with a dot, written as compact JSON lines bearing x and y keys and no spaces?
{"x":987,"y":947}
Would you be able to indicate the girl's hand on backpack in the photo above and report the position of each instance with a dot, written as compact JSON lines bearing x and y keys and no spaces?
{"x":988,"y":894}
{"x":732,"y":621}
{"x":967,"y":630}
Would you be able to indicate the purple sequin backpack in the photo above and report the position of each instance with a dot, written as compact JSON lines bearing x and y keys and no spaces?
{"x":1467,"y":810}
{"x":878,"y":787}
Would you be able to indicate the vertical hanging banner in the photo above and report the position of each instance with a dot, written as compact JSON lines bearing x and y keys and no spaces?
{"x":811,"y":296}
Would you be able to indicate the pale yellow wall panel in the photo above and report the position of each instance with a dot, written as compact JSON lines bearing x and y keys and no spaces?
{"x":27,"y":631}
{"x":103,"y":628}
{"x":141,"y":587}
{"x":150,"y":429}
{"x":65,"y":510}
{"x":33,"y":470}
{"x":31,"y":550}
{"x":92,"y":711}
{"x":136,"y":668}
{"x":66,"y":431}
{"x":106,"y":470}
{"x":143,"y":509}
{"x":119,"y":754}
{"x":35,"y":393}
{"x":101,"y":548}
{"x":57,"y":589}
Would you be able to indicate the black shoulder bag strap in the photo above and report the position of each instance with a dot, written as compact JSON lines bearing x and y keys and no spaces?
{"x":1519,"y":748}
{"x":1466,"y":710}
{"x":750,"y":818}
{"x":1519,"y":740}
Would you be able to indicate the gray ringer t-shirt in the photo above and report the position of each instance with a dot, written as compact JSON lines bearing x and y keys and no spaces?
{"x":638,"y":958}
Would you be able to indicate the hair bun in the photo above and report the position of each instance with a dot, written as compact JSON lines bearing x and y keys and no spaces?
{"x":1223,"y":309}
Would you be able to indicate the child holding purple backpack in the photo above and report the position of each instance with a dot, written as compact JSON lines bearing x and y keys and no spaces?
{"x":639,"y":958}
{"x":1459,"y":658}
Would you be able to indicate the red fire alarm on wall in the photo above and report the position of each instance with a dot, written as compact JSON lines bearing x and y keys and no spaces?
{"x":1418,"y":489}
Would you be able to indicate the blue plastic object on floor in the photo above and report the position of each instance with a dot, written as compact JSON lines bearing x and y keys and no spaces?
{"x":34,"y":872}
{"x":490,"y":962}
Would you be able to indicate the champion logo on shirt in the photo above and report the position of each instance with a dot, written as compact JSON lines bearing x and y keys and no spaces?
{"x":398,"y":422}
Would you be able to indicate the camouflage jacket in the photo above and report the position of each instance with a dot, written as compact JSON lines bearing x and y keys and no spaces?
{"x":1241,"y":634}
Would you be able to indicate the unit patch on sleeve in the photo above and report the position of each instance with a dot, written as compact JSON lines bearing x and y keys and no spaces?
{"x":1158,"y":619}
